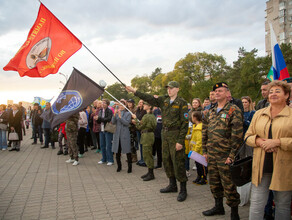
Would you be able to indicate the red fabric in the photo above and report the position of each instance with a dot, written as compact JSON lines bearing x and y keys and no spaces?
{"x":49,"y":44}
{"x":62,"y":126}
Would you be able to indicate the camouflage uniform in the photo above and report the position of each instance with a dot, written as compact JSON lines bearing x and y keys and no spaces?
{"x":222,"y":135}
{"x":174,"y":130}
{"x":147,"y":126}
{"x":72,"y":132}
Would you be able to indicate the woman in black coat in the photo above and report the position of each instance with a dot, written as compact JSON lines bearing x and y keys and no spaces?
{"x":15,"y":125}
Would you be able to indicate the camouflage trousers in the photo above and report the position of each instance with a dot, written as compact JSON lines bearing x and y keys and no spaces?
{"x":173,"y":161}
{"x":148,"y":141}
{"x":220,"y":179}
{"x":72,"y":144}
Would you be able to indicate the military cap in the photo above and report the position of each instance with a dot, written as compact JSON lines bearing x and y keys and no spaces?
{"x":218,"y":85}
{"x":146,"y":103}
{"x":288,"y":80}
{"x":172,"y":84}
{"x":131,"y":100}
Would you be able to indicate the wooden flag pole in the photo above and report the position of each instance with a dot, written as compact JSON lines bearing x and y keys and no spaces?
{"x":104,"y":65}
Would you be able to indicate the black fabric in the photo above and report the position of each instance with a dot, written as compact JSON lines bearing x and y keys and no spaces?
{"x":268,"y":163}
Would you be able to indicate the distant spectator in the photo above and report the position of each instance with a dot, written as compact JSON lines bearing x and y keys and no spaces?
{"x":248,"y":112}
{"x":196,"y":105}
{"x":133,"y":131}
{"x":82,"y":125}
{"x":47,"y":129}
{"x":63,"y":149}
{"x":37,"y":123}
{"x":4,"y":117}
{"x":157,"y":146}
{"x":206,"y":103}
{"x":264,"y":102}
{"x":234,"y":101}
{"x":15,"y":126}
{"x":23,"y":113}
{"x":122,"y":139}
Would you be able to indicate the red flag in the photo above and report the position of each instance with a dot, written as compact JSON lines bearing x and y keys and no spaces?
{"x":49,"y":44}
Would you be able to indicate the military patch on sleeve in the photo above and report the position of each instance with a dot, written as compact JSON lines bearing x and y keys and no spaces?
{"x":186,"y":115}
{"x":231,"y":110}
{"x":185,"y":106}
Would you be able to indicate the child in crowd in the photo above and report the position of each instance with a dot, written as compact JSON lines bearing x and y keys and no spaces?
{"x":196,"y":145}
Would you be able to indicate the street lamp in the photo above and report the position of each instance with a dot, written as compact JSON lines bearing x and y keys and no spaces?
{"x":66,"y":77}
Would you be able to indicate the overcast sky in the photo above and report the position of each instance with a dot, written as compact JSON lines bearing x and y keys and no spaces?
{"x":132,"y":37}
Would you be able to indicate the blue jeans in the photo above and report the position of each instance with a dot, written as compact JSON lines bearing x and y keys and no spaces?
{"x":40,"y":131}
{"x":3,"y":139}
{"x":47,"y":134}
{"x":259,"y":197}
{"x":105,"y":139}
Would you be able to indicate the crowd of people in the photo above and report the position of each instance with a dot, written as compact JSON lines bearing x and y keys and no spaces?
{"x":168,"y":128}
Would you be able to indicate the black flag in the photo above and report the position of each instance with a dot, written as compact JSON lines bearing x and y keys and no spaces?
{"x":79,"y":92}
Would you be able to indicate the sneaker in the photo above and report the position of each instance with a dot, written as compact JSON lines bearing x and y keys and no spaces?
{"x":75,"y":163}
{"x":70,"y":161}
{"x":101,"y":162}
{"x":3,"y":149}
{"x":60,"y":152}
{"x":80,"y":155}
{"x":110,"y":163}
{"x":194,"y":167}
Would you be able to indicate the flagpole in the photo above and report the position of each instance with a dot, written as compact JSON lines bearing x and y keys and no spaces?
{"x":103,"y":64}
{"x":120,"y":103}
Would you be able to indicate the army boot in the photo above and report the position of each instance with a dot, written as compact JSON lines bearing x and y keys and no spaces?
{"x":183,"y":192}
{"x":119,"y":163}
{"x":129,"y":158}
{"x":234,"y":213}
{"x":150,"y":175}
{"x":172,"y":187}
{"x":217,"y":210}
{"x":143,"y":176}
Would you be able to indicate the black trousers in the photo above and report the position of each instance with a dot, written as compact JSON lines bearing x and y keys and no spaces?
{"x":157,"y":149}
{"x":80,"y":139}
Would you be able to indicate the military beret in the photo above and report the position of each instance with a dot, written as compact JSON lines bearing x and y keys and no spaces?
{"x":218,"y":85}
{"x":288,"y":80}
{"x":172,"y":84}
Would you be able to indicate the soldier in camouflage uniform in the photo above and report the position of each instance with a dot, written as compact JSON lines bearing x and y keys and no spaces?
{"x":174,"y":129}
{"x":222,"y":135}
{"x":147,"y":126}
{"x":72,"y":132}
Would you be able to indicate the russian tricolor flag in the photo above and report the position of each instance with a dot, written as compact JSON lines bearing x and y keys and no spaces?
{"x":279,"y":66}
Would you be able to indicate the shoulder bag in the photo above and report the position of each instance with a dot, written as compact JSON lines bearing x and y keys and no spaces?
{"x":110,"y":127}
{"x":13,"y":136}
{"x":241,"y":168}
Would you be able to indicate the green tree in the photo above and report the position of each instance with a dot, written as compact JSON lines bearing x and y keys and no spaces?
{"x":142,"y":83}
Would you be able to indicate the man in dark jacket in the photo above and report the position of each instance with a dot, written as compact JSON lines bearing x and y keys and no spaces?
{"x":264,"y":102}
{"x":37,"y":123}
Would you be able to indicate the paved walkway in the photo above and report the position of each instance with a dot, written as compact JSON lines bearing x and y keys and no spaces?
{"x":37,"y":184}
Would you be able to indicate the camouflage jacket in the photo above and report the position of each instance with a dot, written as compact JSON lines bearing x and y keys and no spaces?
{"x":175,"y":115}
{"x":72,"y":123}
{"x":222,"y":132}
{"x":147,"y":125}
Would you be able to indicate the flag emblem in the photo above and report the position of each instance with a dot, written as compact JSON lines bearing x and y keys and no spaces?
{"x":39,"y":52}
{"x":67,"y":101}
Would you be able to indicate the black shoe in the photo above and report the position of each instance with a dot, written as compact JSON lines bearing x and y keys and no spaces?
{"x":197,"y":179}
{"x":183,"y":192}
{"x":119,"y":169}
{"x":31,"y":138}
{"x":44,"y":147}
{"x":217,"y":210}
{"x":172,"y":187}
{"x":13,"y":149}
{"x":157,"y":167}
{"x":17,"y":149}
{"x":33,"y":143}
{"x":93,"y":148}
{"x":129,"y":167}
{"x":143,"y":176}
{"x":66,"y":153}
{"x":150,"y":175}
{"x":234,"y":213}
{"x":142,"y":164}
{"x":60,"y":152}
{"x":202,"y":182}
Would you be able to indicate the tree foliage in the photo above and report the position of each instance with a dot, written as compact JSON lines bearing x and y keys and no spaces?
{"x":198,"y":72}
